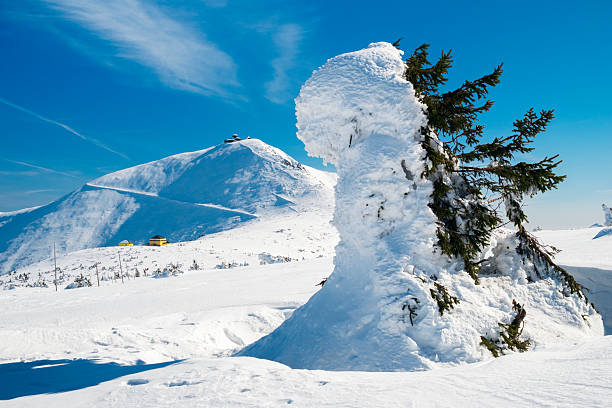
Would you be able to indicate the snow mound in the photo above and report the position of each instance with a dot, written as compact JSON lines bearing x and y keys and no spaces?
{"x":378,"y":310}
{"x":181,"y":197}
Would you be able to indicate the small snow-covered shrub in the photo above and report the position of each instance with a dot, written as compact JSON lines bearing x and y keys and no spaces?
{"x":79,"y":282}
{"x":230,"y":265}
{"x":508,"y":337}
{"x":169,"y":270}
{"x":266,"y":258}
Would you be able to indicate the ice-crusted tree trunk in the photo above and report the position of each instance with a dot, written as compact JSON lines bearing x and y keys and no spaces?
{"x":395,"y":299}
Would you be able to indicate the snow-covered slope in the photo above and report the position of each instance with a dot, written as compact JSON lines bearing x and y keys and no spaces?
{"x":589,"y":261}
{"x":164,"y":342}
{"x":181,"y":197}
{"x":150,"y":178}
{"x":289,"y":237}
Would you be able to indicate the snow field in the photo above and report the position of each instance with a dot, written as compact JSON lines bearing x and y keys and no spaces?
{"x":568,"y":375}
{"x":214,"y":310}
{"x":199,"y":314}
{"x":203,"y":316}
{"x":290,"y":237}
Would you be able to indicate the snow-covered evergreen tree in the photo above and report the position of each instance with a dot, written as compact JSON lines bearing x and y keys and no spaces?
{"x":422,"y":274}
{"x":471,"y":174}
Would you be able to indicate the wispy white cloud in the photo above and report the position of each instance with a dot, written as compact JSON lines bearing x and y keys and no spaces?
{"x":45,"y":169}
{"x":63,"y":126}
{"x":181,"y":56}
{"x":287,"y":40}
{"x":30,"y":192}
{"x":19,"y":173}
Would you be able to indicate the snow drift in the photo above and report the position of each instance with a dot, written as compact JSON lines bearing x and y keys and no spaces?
{"x":377,"y":310}
{"x":182,"y":197}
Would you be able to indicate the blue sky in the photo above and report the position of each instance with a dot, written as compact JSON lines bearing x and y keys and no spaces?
{"x":88,"y":87}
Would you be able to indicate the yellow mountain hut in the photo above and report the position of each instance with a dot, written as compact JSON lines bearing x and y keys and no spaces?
{"x":125,"y":242}
{"x":157,"y":240}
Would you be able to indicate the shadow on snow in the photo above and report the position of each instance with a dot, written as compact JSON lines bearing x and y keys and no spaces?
{"x":599,"y":283}
{"x":53,"y":376}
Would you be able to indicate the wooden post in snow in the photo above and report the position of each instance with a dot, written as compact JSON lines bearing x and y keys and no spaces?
{"x":54,"y":266}
{"x":97,"y":275}
{"x":120,"y":267}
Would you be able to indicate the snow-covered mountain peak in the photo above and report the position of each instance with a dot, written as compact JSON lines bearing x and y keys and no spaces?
{"x":249,"y":175}
{"x":154,"y":176}
{"x":181,"y":197}
{"x":149,"y":177}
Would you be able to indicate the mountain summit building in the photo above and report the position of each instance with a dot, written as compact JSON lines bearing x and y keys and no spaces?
{"x":158,"y":240}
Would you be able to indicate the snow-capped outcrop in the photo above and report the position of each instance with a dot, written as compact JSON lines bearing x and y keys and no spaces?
{"x":182,"y":197}
{"x":607,"y":230}
{"x":379,"y":310}
{"x":607,"y":215}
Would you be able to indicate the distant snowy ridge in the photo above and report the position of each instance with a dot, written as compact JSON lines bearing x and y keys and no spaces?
{"x":181,"y":197}
{"x":23,"y":210}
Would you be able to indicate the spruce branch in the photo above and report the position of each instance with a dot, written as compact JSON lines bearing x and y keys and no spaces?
{"x":468,"y":192}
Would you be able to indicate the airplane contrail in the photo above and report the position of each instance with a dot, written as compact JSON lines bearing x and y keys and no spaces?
{"x":40,"y":168}
{"x":63,"y":126}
